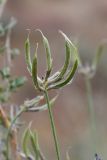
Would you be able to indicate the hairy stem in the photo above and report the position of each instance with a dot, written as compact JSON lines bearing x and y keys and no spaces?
{"x":52,"y":125}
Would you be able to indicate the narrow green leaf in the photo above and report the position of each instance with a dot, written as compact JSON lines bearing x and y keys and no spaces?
{"x":25,"y":142}
{"x":28,"y":58}
{"x":48,"y":54}
{"x":67,"y":80}
{"x":35,"y":145}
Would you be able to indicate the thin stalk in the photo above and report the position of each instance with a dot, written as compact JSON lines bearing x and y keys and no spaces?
{"x":91,"y":112}
{"x":52,"y":125}
{"x":9,"y":131}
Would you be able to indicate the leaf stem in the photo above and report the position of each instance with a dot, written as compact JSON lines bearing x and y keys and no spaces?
{"x":91,"y":111}
{"x":52,"y":125}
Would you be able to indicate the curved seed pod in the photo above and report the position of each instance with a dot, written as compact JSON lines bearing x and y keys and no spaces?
{"x":35,"y":77}
{"x":33,"y":102}
{"x":55,"y":75}
{"x":69,"y":47}
{"x":67,"y":60}
{"x":74,"y":49}
{"x":48,"y":54}
{"x":27,"y":55}
{"x":53,"y":78}
{"x":67,"y":80}
{"x":66,"y":64}
{"x":43,"y":107}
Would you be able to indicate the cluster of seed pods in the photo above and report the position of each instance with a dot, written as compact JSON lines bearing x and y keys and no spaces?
{"x":59,"y":79}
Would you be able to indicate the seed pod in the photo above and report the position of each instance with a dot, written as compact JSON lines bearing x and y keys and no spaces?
{"x":67,"y":61}
{"x":48,"y":54}
{"x":67,"y":80}
{"x":36,"y":79}
{"x":28,"y":58}
{"x":74,"y":49}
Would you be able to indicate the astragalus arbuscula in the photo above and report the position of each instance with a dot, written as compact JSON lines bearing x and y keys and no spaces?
{"x":58,"y":80}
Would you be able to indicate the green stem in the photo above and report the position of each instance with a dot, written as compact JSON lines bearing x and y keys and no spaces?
{"x":91,"y":112}
{"x":52,"y":125}
{"x":9,"y":131}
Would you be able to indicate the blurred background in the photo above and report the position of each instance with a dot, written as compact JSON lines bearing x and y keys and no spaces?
{"x":85,"y":22}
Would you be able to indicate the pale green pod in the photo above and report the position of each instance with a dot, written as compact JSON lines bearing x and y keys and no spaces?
{"x":66,"y":64}
{"x":74,"y":49}
{"x":27,"y":55}
{"x":53,"y":78}
{"x":70,"y":50}
{"x":68,"y":78}
{"x":33,"y":102}
{"x":48,"y":54}
{"x":42,"y":107}
{"x":36,"y":80}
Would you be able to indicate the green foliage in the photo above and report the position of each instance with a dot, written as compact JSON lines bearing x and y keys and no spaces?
{"x":16,"y":83}
{"x":30,"y":140}
{"x":8,"y":82}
